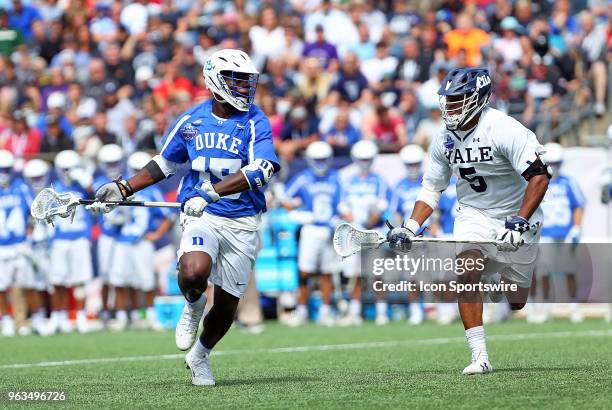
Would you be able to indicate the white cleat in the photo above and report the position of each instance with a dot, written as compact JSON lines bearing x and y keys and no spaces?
{"x":296,"y":319}
{"x":381,"y":320}
{"x":576,"y":317}
{"x":8,"y":328}
{"x":65,"y":326}
{"x":187,"y":326}
{"x":326,"y":320}
{"x":478,"y":366}
{"x":350,"y":320}
{"x":89,"y":326}
{"x":201,"y":375}
{"x":24,"y":331}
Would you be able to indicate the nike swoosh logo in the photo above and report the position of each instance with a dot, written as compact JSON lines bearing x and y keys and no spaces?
{"x":240,"y":284}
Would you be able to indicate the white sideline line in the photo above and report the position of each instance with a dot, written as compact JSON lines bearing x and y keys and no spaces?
{"x":315,"y":348}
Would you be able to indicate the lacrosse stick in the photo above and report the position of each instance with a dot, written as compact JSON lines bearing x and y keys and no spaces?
{"x":349,"y":240}
{"x":49,"y":203}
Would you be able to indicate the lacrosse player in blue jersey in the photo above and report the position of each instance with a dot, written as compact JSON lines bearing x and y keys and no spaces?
{"x":71,"y":262}
{"x":563,"y":208}
{"x":364,"y":201}
{"x":402,"y":202}
{"x":317,"y":192}
{"x":131,"y":268}
{"x":15,"y":199}
{"x":110,"y":161}
{"x":227,"y":143}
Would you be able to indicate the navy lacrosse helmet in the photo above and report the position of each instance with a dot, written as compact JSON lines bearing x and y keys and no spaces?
{"x":464,"y":92}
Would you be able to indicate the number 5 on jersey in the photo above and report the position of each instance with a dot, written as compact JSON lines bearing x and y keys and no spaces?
{"x":477,"y":182}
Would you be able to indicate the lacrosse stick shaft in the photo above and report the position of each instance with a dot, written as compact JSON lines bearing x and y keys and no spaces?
{"x":148,"y":204}
{"x":444,"y":240}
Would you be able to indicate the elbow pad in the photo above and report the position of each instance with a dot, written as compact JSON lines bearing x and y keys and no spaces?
{"x":167,"y":167}
{"x":258,"y":173}
{"x":429,"y":196}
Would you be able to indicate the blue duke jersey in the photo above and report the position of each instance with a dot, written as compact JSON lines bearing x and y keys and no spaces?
{"x":363,"y":196}
{"x":448,"y":208}
{"x":217,"y":148}
{"x":140,"y":221}
{"x":15,"y":203}
{"x":561,"y":200}
{"x":319,"y":195}
{"x":80,"y":227}
{"x":404,"y":197}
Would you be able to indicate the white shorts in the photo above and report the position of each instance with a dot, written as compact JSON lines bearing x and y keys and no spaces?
{"x":518,"y":267}
{"x":133,"y":266}
{"x":233,"y":251}
{"x":316,"y":251}
{"x":15,"y":268}
{"x":70,"y":262}
{"x":106,"y":247}
{"x":40,"y":263}
{"x":556,"y":256}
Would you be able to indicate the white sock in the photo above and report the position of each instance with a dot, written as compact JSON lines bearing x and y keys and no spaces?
{"x":7,"y":319}
{"x":199,"y":302}
{"x":415,"y":309}
{"x":151,"y":313}
{"x":63,"y":315}
{"x":200,"y":350}
{"x":355,"y":308}
{"x":122,"y":315}
{"x":324,"y":310}
{"x":81,"y":316}
{"x":381,"y":308}
{"x":135,"y":314}
{"x":476,"y":340}
{"x":55,"y":316}
{"x":301,"y":310}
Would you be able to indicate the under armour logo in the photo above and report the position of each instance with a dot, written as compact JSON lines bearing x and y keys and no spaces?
{"x":477,"y":139}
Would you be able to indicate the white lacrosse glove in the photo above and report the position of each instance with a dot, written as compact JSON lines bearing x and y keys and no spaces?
{"x":400,"y":238}
{"x":117,"y":190}
{"x":512,"y":236}
{"x":207,"y":195}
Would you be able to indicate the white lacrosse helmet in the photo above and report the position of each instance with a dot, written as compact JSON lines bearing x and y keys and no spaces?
{"x":7,"y":162}
{"x":64,"y":162}
{"x":138,"y":161}
{"x":226,"y":72}
{"x":36,"y":173}
{"x":109,"y":158}
{"x":553,"y":156}
{"x":363,"y":153}
{"x":318,"y":156}
{"x":412,"y":156}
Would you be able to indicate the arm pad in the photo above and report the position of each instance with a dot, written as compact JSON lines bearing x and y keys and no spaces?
{"x":429,"y":196}
{"x":258,"y":173}
{"x":167,"y":167}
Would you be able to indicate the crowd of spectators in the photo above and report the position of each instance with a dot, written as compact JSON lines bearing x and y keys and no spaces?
{"x":83,"y":73}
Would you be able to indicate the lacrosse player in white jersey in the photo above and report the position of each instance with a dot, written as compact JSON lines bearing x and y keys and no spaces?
{"x":502,"y":181}
{"x":110,"y":161}
{"x":364,"y":201}
{"x":227,"y":143}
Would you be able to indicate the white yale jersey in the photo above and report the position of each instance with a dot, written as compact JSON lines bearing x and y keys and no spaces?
{"x":488,"y":161}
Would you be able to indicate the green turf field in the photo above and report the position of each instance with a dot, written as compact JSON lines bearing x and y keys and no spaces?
{"x":553,"y":365}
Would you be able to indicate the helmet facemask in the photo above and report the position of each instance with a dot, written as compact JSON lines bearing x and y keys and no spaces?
{"x":239,"y":87}
{"x":5,"y":176}
{"x":112,"y":170}
{"x":458,"y":110}
{"x":319,"y":166}
{"x":39,"y":182}
{"x":413,"y":171}
{"x":364,"y":165}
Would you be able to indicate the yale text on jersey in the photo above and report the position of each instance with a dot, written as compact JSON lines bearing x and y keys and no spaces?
{"x":469,"y":155}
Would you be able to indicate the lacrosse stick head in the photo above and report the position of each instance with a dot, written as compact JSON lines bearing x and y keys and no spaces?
{"x":349,"y":240}
{"x":49,"y":203}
